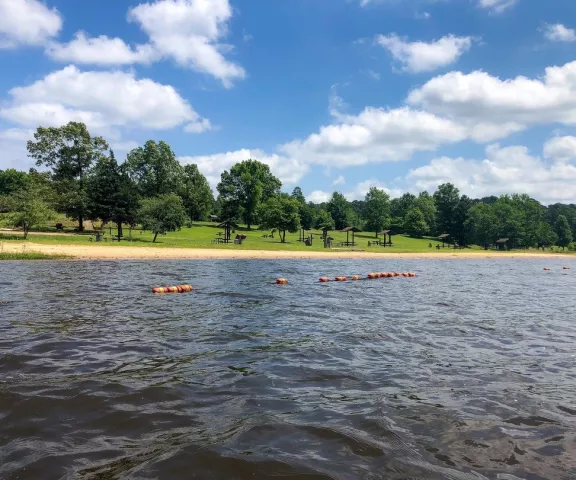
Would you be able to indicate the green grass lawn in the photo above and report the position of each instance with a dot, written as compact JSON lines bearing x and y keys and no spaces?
{"x":30,"y":256}
{"x":201,"y":234}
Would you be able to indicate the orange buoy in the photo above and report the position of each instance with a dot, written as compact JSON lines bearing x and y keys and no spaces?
{"x":405,"y":274}
{"x":373,"y":275}
{"x":176,"y":289}
{"x":281,"y":281}
{"x":324,"y":279}
{"x":565,"y":268}
{"x":340,"y":279}
{"x":412,"y":274}
{"x":547,"y":268}
{"x":355,"y":277}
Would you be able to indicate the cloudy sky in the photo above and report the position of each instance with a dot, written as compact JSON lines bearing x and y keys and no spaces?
{"x":332,"y":94}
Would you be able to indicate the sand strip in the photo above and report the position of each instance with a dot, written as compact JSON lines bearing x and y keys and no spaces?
{"x":106,"y":252}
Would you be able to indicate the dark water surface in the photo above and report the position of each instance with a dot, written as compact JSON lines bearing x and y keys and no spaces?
{"x":466,"y":372}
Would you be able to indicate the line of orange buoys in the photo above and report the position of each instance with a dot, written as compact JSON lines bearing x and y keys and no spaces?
{"x":176,"y":289}
{"x":547,"y":269}
{"x":370,"y":276}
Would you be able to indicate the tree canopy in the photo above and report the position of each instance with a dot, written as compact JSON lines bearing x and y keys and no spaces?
{"x":196,"y":193}
{"x":376,"y":211}
{"x":162,"y":214}
{"x":244,"y":188}
{"x":281,"y":212}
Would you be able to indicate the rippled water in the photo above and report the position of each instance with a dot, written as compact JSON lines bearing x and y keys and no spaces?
{"x":465,"y":372}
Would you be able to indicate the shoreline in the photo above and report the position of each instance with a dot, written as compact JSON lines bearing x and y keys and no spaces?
{"x":106,"y":252}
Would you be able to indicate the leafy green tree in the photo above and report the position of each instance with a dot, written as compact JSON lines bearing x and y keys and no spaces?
{"x":509,"y":219}
{"x":323,"y":220}
{"x":447,"y":198}
{"x":28,"y":210}
{"x":399,"y":207}
{"x":196,"y":193}
{"x":307,"y":216}
{"x":546,"y":235}
{"x":426,"y":204}
{"x":562,"y":229}
{"x":244,"y":188}
{"x":281,"y":212}
{"x":415,"y":224}
{"x":112,"y":196}
{"x":298,"y":195}
{"x":376,"y":210}
{"x":154,"y":169}
{"x":162,"y":214}
{"x":461,"y":232}
{"x":70,"y":152}
{"x":12,"y":180}
{"x":339,"y":210}
{"x":482,"y":223}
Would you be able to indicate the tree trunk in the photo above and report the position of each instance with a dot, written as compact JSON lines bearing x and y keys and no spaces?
{"x":25,"y":233}
{"x":80,"y":223}
{"x":249,"y":226}
{"x":119,"y":225}
{"x":283,"y":236}
{"x":155,"y":235}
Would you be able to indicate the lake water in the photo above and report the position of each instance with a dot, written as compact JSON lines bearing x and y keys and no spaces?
{"x":467,"y":371}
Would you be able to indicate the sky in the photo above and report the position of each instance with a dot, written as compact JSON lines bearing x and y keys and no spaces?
{"x":331,"y":94}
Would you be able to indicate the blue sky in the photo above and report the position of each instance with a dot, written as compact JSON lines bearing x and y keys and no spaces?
{"x":332,"y":94}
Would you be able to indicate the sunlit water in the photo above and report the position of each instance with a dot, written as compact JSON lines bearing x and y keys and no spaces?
{"x":464,"y":372}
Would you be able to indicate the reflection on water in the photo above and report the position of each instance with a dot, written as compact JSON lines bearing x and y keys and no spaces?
{"x":465,"y":372}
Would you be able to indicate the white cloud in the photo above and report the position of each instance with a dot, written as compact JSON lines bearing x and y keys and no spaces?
{"x":339,"y":181}
{"x":489,"y":104}
{"x":318,"y":196}
{"x":375,"y":135}
{"x":288,"y":170}
{"x":362,"y":188}
{"x":17,"y":134}
{"x":497,"y":6}
{"x":101,"y":50}
{"x":560,"y":149}
{"x":504,"y":170}
{"x":190,"y":32}
{"x":418,"y":57}
{"x":559,"y":33}
{"x":102,"y":100}
{"x":27,"y":22}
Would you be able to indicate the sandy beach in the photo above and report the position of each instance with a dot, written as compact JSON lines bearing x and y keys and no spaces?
{"x":106,"y":252}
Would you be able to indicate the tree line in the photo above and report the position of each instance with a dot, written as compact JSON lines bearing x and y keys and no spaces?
{"x":83,"y":180}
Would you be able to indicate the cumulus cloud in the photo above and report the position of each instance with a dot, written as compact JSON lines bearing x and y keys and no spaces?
{"x":496,"y":6}
{"x":318,"y":196}
{"x":559,"y":33}
{"x":190,"y":32}
{"x":503,"y":170}
{"x":339,"y":181}
{"x":27,"y":22}
{"x":490,"y":105}
{"x":100,"y":50}
{"x":288,"y":170}
{"x":416,"y":57}
{"x":102,"y":100}
{"x":561,"y":149}
{"x":375,"y":135}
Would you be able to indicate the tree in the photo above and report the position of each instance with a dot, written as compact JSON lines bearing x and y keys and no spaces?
{"x":546,"y":235}
{"x":339,"y":210}
{"x":154,"y":169}
{"x":482,"y":223}
{"x":196,"y":193}
{"x":281,"y":212}
{"x":69,"y":151}
{"x":460,"y":230}
{"x":12,"y":181}
{"x":112,"y":196}
{"x":399,"y":207}
{"x":162,"y":214}
{"x":244,"y":188}
{"x":323,"y":220}
{"x":426,"y":204}
{"x":298,"y":195}
{"x":446,"y":197}
{"x":376,"y":210}
{"x":307,"y":216}
{"x":414,"y":223}
{"x":28,"y":210}
{"x":562,"y":229}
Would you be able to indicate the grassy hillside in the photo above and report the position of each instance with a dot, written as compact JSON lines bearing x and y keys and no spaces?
{"x":200,"y":235}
